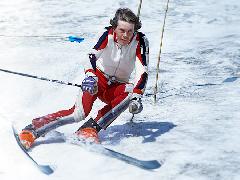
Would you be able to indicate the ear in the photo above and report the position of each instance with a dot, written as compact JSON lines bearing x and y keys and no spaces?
{"x":114,"y":29}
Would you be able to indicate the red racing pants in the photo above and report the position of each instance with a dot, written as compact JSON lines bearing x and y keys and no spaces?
{"x":115,"y":94}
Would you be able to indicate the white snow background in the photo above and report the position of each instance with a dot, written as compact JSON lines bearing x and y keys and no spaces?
{"x":194,"y":127}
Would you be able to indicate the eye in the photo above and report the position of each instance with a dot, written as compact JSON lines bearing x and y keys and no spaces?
{"x":122,"y":31}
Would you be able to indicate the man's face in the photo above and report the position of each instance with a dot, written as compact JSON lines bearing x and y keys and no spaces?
{"x":124,"y":32}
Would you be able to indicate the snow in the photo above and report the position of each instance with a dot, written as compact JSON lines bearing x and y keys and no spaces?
{"x":194,"y":127}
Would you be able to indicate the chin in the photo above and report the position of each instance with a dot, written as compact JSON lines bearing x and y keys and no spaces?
{"x":124,"y":43}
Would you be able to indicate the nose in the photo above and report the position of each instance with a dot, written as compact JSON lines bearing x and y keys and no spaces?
{"x":125,"y":34}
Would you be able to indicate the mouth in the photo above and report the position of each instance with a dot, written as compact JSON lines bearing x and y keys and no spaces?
{"x":125,"y":40}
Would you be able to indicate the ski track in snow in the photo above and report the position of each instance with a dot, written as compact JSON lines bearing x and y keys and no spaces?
{"x":194,"y":127}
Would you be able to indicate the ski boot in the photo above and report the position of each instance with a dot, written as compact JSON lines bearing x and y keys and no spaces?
{"x":89,"y":131}
{"x":27,"y":137}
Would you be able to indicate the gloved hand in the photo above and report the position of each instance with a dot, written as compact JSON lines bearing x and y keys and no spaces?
{"x":90,"y":84}
{"x":135,"y":105}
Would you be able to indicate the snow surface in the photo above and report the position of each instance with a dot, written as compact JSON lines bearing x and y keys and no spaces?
{"x":194,"y":127}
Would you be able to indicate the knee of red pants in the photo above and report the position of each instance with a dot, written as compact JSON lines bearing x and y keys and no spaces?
{"x":41,"y":121}
{"x":83,"y":105}
{"x":115,"y":107}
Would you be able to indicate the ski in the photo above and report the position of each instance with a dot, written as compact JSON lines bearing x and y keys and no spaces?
{"x":46,"y":169}
{"x":100,"y":149}
{"x":144,"y":164}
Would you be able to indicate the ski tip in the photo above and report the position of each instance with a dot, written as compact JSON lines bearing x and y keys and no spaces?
{"x":46,"y":169}
{"x":14,"y":129}
{"x":151,"y":165}
{"x":231,"y":79}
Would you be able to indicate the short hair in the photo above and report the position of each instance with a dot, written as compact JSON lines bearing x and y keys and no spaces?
{"x":125,"y":14}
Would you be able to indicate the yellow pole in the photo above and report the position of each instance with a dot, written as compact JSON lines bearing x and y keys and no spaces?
{"x":159,"y":55}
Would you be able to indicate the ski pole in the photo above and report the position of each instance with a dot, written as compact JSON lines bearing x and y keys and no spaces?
{"x":40,"y":78}
{"x":139,"y":8}
{"x":72,"y":38}
{"x":138,"y":15}
{"x":159,"y":54}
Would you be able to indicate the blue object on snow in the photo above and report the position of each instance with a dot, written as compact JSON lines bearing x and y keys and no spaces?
{"x":230,"y":79}
{"x":75,"y":39}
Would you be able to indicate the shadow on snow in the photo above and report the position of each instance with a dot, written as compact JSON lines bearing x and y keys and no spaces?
{"x":149,"y":131}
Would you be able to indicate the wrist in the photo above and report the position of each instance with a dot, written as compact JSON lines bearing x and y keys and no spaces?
{"x":136,"y":96}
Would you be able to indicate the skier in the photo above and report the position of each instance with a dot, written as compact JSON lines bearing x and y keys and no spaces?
{"x":120,"y":50}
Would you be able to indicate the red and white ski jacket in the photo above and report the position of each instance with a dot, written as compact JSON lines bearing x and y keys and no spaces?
{"x":117,"y":61}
